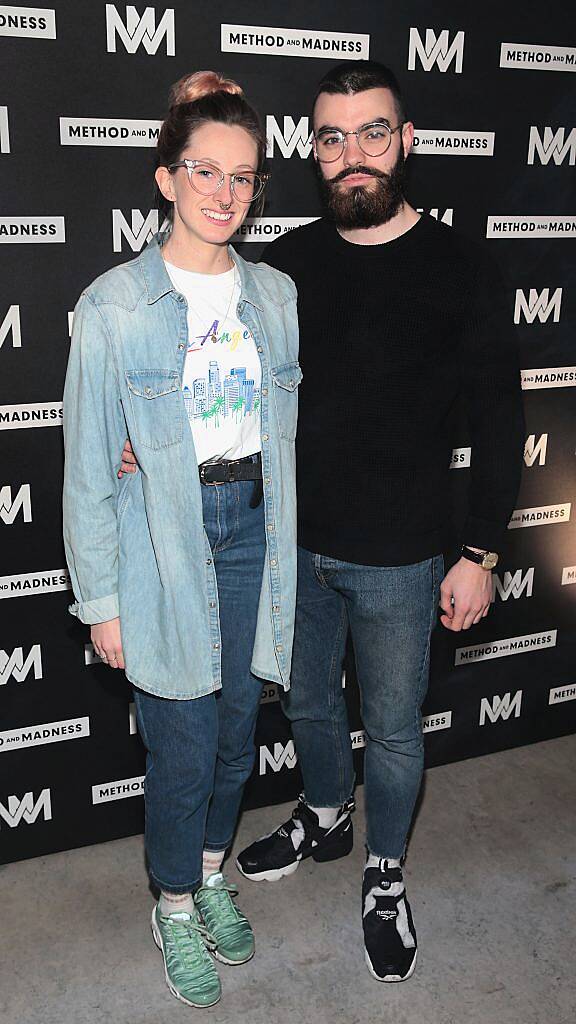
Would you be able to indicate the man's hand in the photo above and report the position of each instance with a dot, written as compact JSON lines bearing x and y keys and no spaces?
{"x":465,"y":595}
{"x":108,"y":642}
{"x":129,"y":464}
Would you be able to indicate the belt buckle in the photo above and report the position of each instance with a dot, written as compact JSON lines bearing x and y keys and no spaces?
{"x":203,"y":468}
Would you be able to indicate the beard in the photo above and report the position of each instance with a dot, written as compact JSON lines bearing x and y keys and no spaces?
{"x":364,"y":206}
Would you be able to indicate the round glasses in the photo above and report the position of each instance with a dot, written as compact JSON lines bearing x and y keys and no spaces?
{"x":373,"y":139}
{"x":207,"y":179}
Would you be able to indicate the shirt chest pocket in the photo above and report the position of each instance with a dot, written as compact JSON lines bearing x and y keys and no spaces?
{"x":285,"y":380}
{"x":157,"y":406}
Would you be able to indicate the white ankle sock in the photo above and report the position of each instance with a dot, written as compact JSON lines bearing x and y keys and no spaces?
{"x":374,"y":861}
{"x":172,"y":903}
{"x":327,"y":817}
{"x":211,"y":863}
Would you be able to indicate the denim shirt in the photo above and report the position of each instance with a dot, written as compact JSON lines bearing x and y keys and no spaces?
{"x":136,"y":547}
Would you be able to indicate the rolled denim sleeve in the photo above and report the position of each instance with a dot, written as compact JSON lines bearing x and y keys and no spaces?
{"x":94,"y":434}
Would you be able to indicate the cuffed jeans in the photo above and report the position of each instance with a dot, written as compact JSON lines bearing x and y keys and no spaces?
{"x":391,"y":612}
{"x":201,"y":752}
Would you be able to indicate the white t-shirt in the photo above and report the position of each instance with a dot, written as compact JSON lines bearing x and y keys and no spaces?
{"x":222,"y":378}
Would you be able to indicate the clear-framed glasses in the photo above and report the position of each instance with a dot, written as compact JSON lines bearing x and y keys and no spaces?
{"x":206,"y":179}
{"x":373,"y":139}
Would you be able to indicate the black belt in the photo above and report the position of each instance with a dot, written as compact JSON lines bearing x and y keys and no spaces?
{"x":233,"y":470}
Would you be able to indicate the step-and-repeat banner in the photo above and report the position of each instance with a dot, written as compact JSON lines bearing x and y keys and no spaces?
{"x":83,"y":89}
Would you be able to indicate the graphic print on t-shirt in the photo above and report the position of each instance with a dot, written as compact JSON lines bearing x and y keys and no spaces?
{"x":222,"y":373}
{"x":224,"y":390}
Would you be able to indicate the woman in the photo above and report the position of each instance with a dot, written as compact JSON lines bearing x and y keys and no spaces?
{"x":186,"y":571}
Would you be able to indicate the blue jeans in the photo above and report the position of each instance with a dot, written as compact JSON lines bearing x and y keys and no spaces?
{"x":391,"y":613}
{"x":200,"y":752}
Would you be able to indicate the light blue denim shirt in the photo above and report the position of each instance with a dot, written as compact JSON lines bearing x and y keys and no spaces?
{"x":136,"y":547}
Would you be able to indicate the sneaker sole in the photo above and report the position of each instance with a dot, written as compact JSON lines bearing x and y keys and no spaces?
{"x":391,"y":977}
{"x":178,"y":995}
{"x":273,"y":875}
{"x":232,"y":963}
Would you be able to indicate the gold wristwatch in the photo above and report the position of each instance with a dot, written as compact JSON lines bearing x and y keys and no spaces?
{"x":487,"y":559}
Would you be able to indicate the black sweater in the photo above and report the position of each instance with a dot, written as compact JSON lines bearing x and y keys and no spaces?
{"x":394,"y":340}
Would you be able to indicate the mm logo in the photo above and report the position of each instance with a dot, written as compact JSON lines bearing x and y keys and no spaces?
{"x":138,"y":232}
{"x":538,"y":304}
{"x":4,"y":131}
{"x":437,"y":51}
{"x":513,"y":585}
{"x":25,"y":809}
{"x":9,"y":509}
{"x":17,"y":666}
{"x":11,"y":324}
{"x":501,"y":707}
{"x":445,"y":217}
{"x":140,"y":31}
{"x":554,"y":146}
{"x":290,"y":137}
{"x":283,"y":756}
{"x":535,"y":450}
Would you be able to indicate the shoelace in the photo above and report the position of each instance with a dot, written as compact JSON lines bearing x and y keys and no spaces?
{"x":221,"y":910}
{"x":188,"y":939}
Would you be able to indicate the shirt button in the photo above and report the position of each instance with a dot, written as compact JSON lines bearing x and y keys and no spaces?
{"x":264,"y":391}
{"x":264,"y":437}
{"x":181,"y":346}
{"x":270,"y":527}
{"x":279,"y":647}
{"x":273,"y":561}
{"x":216,"y":646}
{"x":267,"y":481}
{"x":212,"y":604}
{"x":275,"y":607}
{"x":208,"y":561}
{"x":259,"y":348}
{"x":147,"y":391}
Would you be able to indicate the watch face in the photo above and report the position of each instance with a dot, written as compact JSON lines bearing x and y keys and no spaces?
{"x":490,"y":560}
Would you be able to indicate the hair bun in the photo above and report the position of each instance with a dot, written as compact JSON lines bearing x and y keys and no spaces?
{"x":199,"y":84}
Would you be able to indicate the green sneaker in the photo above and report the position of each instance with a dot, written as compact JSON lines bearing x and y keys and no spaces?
{"x":190,"y":971}
{"x":231,"y":932}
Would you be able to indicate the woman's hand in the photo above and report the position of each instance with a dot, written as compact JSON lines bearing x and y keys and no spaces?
{"x":107,"y":642}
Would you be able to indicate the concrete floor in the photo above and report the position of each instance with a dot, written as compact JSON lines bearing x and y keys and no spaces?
{"x":490,"y":878}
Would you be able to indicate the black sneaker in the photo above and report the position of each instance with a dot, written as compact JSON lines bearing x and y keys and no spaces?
{"x":274,"y":856}
{"x":389,"y":936}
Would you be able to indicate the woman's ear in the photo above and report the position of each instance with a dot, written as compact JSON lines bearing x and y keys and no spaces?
{"x":165,"y":183}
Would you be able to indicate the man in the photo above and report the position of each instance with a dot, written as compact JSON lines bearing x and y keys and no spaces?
{"x":401,"y":322}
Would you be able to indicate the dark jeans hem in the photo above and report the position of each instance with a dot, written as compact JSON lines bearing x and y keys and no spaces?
{"x":175,"y":890}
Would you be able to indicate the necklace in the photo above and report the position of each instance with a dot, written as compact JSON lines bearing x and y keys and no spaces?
{"x":213,"y":335}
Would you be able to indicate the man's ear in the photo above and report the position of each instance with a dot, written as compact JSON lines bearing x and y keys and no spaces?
{"x":407,"y":137}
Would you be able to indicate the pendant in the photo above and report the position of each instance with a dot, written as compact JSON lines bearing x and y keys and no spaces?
{"x":214,"y":338}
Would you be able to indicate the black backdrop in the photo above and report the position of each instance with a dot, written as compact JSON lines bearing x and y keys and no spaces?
{"x":82,"y":89}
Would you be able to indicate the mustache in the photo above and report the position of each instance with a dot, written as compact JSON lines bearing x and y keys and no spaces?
{"x":360,"y":169}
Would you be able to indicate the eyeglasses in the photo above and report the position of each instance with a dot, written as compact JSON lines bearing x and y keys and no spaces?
{"x":373,"y":139}
{"x":207,"y":179}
